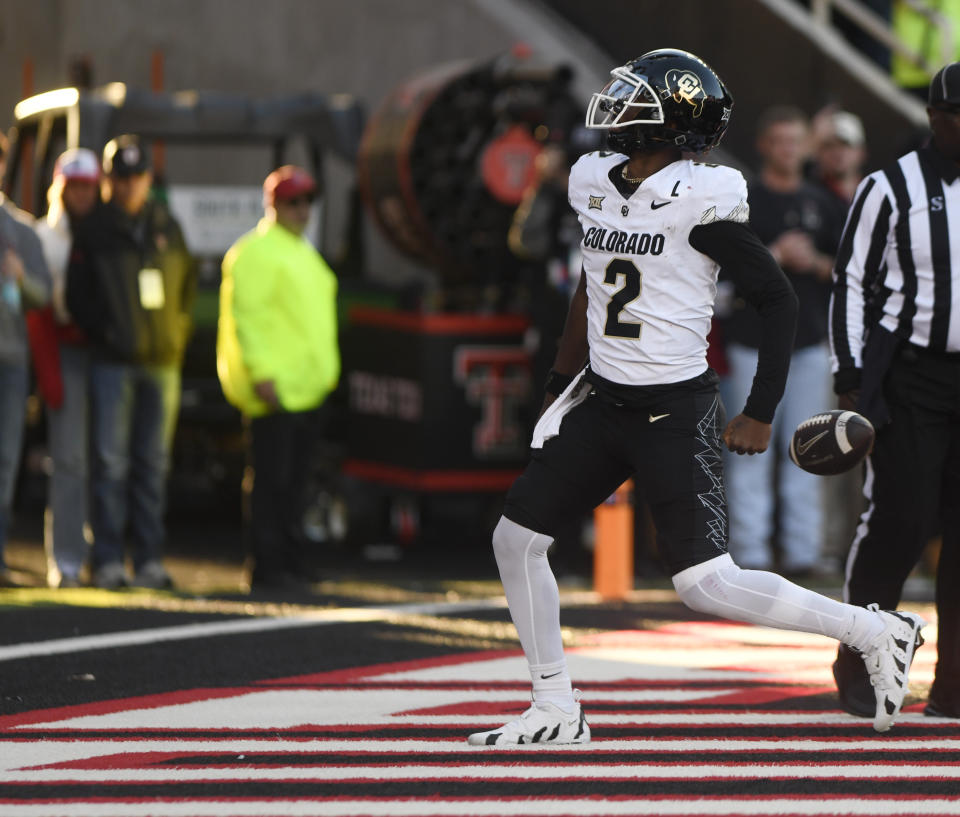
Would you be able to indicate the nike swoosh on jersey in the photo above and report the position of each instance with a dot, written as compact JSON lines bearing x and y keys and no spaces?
{"x":656,"y":205}
{"x":804,"y":447}
{"x":654,"y":418}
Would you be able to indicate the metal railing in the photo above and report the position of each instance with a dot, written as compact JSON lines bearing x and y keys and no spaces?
{"x":880,"y":29}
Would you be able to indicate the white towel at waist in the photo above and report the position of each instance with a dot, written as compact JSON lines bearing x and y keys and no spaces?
{"x":549,"y":423}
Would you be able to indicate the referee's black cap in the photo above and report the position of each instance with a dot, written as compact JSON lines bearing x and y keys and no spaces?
{"x":945,"y":85}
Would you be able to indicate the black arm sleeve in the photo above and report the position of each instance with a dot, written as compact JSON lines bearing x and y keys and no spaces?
{"x":748,"y":263}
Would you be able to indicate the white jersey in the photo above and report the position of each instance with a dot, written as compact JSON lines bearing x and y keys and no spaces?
{"x":650,"y":293}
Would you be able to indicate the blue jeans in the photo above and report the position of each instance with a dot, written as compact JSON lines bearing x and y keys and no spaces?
{"x":133,"y":417}
{"x":13,"y":408}
{"x":756,"y":483}
{"x":67,"y":495}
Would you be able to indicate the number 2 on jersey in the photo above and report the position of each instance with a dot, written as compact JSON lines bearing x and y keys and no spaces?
{"x":630,"y":291}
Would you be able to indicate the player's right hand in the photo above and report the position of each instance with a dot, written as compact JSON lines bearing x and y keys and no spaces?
{"x":848,"y":400}
{"x":744,"y":435}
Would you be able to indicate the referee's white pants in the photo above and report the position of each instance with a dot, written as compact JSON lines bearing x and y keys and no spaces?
{"x":756,"y":483}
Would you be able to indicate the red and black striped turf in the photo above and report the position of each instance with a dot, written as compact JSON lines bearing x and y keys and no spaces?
{"x":198,"y":707}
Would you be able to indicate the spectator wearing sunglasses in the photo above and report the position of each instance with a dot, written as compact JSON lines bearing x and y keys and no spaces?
{"x":278,"y":360}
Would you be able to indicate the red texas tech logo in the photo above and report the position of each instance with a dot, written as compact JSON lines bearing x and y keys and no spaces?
{"x":498,"y":378}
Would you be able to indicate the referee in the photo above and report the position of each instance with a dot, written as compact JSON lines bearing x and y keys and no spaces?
{"x":895,"y":337}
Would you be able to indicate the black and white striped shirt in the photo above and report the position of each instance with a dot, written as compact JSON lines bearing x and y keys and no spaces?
{"x":899,"y":261}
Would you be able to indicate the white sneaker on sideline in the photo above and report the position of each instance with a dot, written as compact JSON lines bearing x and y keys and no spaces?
{"x":888,"y":661}
{"x":541,"y":723}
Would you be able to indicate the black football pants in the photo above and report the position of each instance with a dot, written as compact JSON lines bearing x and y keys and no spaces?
{"x":670,"y":445}
{"x":282,"y":448}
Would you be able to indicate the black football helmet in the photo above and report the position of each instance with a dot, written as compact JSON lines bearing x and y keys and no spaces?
{"x":666,"y":97}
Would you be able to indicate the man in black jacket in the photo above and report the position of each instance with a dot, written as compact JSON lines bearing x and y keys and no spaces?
{"x":130,"y":285}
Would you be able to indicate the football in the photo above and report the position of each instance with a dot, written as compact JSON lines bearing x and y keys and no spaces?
{"x":831,"y":442}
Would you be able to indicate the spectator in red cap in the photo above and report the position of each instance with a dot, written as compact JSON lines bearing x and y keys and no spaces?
{"x":278,"y":359}
{"x":72,"y":195}
{"x":287,"y":184}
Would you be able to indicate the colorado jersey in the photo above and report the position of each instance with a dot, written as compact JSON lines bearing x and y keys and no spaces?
{"x":650,"y":294}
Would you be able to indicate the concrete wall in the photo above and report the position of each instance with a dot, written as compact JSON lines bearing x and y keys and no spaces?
{"x":257,"y":48}
{"x":353,"y":46}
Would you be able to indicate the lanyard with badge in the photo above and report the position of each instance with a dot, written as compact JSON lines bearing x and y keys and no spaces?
{"x":149,"y":279}
{"x":151,"y":288}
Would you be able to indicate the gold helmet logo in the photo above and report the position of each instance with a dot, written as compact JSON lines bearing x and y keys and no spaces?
{"x":686,"y":86}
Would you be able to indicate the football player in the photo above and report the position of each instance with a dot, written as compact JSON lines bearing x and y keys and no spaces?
{"x":631,"y":394}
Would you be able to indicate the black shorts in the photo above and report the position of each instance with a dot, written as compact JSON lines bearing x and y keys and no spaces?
{"x":670,"y":444}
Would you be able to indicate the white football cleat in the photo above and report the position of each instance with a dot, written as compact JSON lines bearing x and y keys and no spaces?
{"x":888,"y":661}
{"x":541,"y":723}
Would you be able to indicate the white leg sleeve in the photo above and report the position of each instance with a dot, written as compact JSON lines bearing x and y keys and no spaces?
{"x":720,"y":588}
{"x":531,"y":590}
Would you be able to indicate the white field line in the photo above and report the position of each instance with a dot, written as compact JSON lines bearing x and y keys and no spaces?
{"x":800,"y":718}
{"x":630,"y":719}
{"x":132,"y":638}
{"x":858,"y":726}
{"x":553,"y":771}
{"x":24,"y":754}
{"x":525,"y":807}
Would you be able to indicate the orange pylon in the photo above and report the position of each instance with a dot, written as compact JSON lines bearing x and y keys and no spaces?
{"x":613,"y":545}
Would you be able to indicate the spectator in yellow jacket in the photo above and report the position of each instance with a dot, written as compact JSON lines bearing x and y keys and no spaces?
{"x":278,"y":360}
{"x":934,"y":37}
